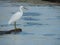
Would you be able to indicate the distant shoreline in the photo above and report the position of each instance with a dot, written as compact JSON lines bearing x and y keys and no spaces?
{"x":36,"y":3}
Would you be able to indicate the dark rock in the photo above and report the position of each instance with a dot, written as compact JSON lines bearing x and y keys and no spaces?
{"x":11,"y":31}
{"x":2,"y":32}
{"x":15,"y":30}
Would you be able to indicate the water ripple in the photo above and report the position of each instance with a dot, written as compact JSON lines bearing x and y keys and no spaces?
{"x":49,"y":34}
{"x":58,"y":17}
{"x":6,"y":25}
{"x":29,"y":18}
{"x":26,"y":33}
{"x":32,"y":24}
{"x":31,"y":14}
{"x":58,"y":38}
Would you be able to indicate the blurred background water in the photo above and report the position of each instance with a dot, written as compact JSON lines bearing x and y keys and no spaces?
{"x":40,"y":25}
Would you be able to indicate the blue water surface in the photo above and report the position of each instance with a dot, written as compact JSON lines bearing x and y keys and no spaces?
{"x":40,"y":25}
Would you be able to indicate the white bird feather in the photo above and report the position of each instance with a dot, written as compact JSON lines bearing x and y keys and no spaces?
{"x":16,"y":16}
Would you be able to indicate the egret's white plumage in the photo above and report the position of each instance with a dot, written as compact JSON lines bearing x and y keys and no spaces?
{"x":16,"y":16}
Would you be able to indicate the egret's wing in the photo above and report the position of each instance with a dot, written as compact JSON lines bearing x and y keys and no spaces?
{"x":15,"y":17}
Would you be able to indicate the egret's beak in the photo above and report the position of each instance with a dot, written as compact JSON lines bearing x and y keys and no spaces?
{"x":25,"y":8}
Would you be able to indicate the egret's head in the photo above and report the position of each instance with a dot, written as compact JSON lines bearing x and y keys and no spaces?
{"x":22,"y":7}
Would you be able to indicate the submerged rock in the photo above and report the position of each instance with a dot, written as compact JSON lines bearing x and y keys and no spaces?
{"x":11,"y":31}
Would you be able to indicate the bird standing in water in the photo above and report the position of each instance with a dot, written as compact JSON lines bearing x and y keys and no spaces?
{"x":16,"y":16}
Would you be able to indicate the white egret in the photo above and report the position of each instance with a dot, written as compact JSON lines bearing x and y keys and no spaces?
{"x":16,"y":16}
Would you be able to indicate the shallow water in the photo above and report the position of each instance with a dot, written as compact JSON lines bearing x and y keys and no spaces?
{"x":40,"y":25}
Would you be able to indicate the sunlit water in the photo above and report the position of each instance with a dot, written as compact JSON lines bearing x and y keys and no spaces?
{"x":40,"y":25}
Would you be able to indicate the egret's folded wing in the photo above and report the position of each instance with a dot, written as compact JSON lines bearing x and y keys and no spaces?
{"x":14,"y":18}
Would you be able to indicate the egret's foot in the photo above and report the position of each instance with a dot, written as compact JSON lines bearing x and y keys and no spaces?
{"x":16,"y":30}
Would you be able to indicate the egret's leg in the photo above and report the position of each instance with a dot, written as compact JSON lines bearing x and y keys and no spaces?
{"x":15,"y":25}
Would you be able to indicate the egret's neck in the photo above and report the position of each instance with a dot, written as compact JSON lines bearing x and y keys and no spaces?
{"x":21,"y":10}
